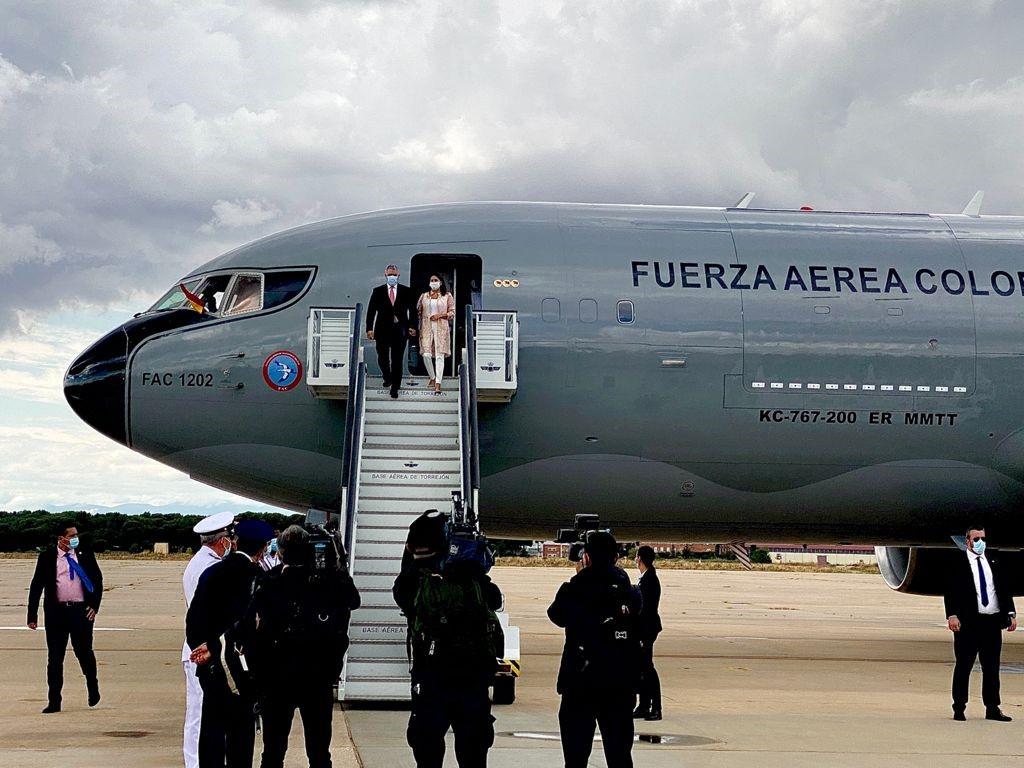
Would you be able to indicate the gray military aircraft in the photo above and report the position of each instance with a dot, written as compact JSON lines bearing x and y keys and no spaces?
{"x":684,"y":373}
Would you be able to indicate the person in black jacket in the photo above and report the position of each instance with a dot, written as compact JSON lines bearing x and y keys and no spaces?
{"x":390,"y":320}
{"x":979,"y":606}
{"x":69,"y":579}
{"x":295,"y":636}
{"x":649,"y":699}
{"x":597,"y":679}
{"x":227,"y":731}
{"x":448,"y":690}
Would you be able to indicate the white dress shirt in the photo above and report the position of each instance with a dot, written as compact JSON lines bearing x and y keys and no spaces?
{"x":993,"y":601}
{"x":200,"y":561}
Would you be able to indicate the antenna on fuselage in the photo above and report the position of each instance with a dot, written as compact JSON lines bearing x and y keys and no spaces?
{"x":745,"y":201}
{"x":973,"y":208}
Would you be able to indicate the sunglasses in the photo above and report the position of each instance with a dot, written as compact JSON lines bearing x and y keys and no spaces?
{"x":978,"y":538}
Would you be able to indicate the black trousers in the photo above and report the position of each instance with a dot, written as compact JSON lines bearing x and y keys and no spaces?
{"x":315,"y":701}
{"x":582,"y":712}
{"x":64,"y":622}
{"x":391,"y":359}
{"x":227,"y":734}
{"x":981,"y":636}
{"x":438,"y":706}
{"x":649,"y":699}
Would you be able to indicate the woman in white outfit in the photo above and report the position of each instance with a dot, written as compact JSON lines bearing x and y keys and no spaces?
{"x":436,"y":309}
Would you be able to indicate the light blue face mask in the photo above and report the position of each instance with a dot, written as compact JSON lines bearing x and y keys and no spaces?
{"x":392,"y":280}
{"x":273,"y":546}
{"x":73,"y":542}
{"x":979,"y":547}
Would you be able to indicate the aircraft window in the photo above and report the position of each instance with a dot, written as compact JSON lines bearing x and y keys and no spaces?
{"x":550,"y":310}
{"x":588,"y":311}
{"x":282,"y":287}
{"x":245,"y":294}
{"x":624,"y":312}
{"x":174,"y":298}
{"x":211,"y":291}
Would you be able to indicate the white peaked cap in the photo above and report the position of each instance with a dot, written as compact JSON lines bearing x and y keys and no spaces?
{"x":214,"y":523}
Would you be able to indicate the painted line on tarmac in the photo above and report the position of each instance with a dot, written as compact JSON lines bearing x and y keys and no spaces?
{"x":94,"y":629}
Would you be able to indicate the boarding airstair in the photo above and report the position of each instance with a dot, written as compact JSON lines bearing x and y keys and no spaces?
{"x":402,"y":457}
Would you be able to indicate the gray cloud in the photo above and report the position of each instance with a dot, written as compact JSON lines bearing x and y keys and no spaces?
{"x":138,"y":139}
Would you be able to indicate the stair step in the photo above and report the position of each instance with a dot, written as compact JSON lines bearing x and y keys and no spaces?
{"x":373,"y":689}
{"x":379,"y":615}
{"x":392,"y":667}
{"x":396,"y":533}
{"x":373,"y":581}
{"x":370,"y":481}
{"x":397,"y":507}
{"x":407,"y":441}
{"x":411,"y":452}
{"x":431,"y":494}
{"x":399,"y":431}
{"x":436,"y":405}
{"x":390,"y":518}
{"x":447,"y":421}
{"x":419,"y":465}
{"x":367,"y":550}
{"x":377,"y":649}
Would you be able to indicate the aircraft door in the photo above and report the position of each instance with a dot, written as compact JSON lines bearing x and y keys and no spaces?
{"x":462,"y":275}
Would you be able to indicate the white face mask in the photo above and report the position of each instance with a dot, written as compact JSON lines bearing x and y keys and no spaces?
{"x":434,"y":285}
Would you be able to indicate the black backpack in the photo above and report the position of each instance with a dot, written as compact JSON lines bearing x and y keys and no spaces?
{"x":609,"y":641}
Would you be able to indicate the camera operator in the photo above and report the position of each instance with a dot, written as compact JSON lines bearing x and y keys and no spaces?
{"x":296,"y":633}
{"x":455,"y":638}
{"x":598,"y":677}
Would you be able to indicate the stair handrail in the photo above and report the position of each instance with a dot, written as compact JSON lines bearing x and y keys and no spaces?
{"x":474,"y":423}
{"x":350,"y":442}
{"x":356,"y":439}
{"x":354,"y":344}
{"x":465,"y":443}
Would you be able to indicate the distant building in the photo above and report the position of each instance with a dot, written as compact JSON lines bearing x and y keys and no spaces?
{"x":839,"y":554}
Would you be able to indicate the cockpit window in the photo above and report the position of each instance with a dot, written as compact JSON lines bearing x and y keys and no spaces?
{"x":174,"y":298}
{"x":282,"y":287}
{"x":245,"y":294}
{"x":237,"y":293}
{"x":211,"y":292}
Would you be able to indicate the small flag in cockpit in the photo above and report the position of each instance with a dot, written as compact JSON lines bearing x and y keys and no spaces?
{"x":194,"y":301}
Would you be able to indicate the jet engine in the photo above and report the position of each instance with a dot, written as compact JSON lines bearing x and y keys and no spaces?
{"x":924,"y":570}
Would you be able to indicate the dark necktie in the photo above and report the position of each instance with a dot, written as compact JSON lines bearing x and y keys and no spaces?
{"x":983,"y":585}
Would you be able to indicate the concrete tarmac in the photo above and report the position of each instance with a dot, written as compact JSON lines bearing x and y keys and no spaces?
{"x":766,"y":669}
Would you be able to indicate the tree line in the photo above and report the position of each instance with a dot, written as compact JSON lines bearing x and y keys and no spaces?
{"x":28,"y":530}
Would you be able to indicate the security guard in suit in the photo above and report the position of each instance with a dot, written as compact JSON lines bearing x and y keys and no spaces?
{"x":979,"y":606}
{"x":69,"y":579}
{"x":228,"y":729}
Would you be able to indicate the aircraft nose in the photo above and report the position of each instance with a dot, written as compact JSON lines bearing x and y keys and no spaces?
{"x":94,"y":385}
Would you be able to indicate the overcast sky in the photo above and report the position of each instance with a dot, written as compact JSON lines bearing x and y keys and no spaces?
{"x":139,"y":138}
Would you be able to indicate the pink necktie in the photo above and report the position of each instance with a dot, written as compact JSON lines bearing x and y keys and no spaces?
{"x":391,"y":293}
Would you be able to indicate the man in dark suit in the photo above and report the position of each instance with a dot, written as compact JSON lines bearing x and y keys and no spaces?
{"x":649,"y":699}
{"x":227,"y":732}
{"x":70,"y":581}
{"x":979,"y":606}
{"x":390,"y":320}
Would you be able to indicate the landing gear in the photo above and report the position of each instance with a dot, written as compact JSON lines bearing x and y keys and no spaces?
{"x":504,"y":689}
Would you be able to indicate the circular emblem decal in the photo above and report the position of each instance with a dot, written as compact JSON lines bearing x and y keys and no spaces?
{"x":282,"y":371}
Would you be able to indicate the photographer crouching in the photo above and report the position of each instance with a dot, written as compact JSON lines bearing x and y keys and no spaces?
{"x":296,"y":632}
{"x":598,"y":677}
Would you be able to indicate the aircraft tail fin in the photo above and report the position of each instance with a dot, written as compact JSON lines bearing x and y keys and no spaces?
{"x":973,"y":208}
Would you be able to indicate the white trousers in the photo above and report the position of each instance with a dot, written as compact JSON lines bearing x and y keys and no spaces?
{"x":193,"y":715}
{"x":435,"y":367}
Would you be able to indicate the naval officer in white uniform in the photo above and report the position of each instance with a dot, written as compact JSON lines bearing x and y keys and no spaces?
{"x":215,"y":534}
